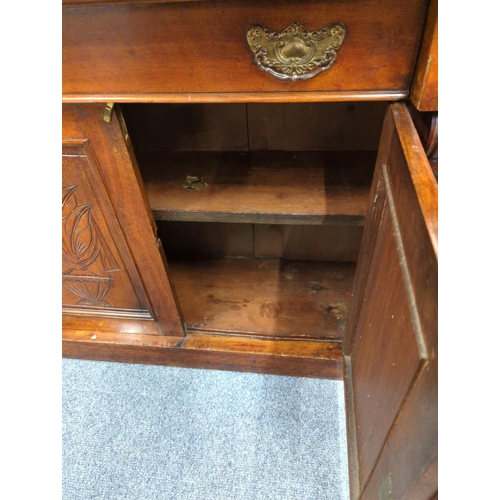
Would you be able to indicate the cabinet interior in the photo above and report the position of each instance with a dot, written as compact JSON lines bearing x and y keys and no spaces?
{"x":269,"y":246}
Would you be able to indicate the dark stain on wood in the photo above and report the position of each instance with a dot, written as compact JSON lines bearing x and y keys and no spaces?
{"x":276,"y":298}
{"x":270,"y":309}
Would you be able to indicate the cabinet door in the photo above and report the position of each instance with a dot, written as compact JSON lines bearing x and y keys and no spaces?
{"x":114,"y":276}
{"x":390,"y":349}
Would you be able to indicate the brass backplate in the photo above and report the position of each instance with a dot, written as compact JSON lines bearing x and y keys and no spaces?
{"x":295,"y":53}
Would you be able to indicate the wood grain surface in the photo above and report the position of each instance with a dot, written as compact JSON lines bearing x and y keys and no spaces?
{"x":156,"y":51}
{"x":99,"y":276}
{"x":270,"y":187}
{"x":80,"y":3}
{"x":391,"y":335}
{"x":424,"y":90}
{"x":187,"y":127}
{"x":121,"y":191}
{"x":205,"y":240}
{"x":298,"y":358}
{"x":282,"y":299}
{"x":311,"y":126}
{"x":385,"y":357}
{"x":325,"y":126}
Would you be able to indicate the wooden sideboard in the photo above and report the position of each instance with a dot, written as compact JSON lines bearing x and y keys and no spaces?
{"x":221,"y":212}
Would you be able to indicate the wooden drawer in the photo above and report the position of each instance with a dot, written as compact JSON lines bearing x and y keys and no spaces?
{"x":198,"y":51}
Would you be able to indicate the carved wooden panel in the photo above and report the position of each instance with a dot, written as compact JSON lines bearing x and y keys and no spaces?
{"x":114,"y":276}
{"x":98,"y":275}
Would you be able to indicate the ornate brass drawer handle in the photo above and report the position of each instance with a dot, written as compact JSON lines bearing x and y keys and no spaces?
{"x":295,"y":53}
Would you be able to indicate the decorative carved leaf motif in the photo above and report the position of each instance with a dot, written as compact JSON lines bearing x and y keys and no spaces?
{"x":69,"y":205}
{"x":79,"y":242}
{"x":82,"y":234}
{"x":82,"y":246}
{"x":67,"y":230}
{"x":68,"y":201}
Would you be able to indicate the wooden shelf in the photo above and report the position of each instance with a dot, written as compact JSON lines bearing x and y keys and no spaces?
{"x":268,"y":298}
{"x":260,"y":187}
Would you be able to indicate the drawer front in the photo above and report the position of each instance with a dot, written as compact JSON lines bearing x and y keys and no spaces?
{"x":166,"y":51}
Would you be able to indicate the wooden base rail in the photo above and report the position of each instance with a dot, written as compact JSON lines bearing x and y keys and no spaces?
{"x":301,"y":358}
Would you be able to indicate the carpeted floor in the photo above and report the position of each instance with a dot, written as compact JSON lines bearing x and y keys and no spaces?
{"x":140,"y":432}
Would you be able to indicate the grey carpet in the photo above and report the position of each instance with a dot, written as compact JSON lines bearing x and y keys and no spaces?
{"x":140,"y":432}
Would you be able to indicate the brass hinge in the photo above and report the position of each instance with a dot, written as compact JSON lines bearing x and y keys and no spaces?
{"x":121,"y":121}
{"x":108,"y":111}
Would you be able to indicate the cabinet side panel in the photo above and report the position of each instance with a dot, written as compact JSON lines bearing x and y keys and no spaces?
{"x":424,"y":90}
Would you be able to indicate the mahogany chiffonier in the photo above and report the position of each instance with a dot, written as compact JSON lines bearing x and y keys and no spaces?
{"x":252,"y":186}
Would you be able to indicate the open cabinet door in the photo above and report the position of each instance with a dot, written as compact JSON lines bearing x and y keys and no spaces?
{"x":390,"y":350}
{"x":114,"y":278}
